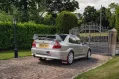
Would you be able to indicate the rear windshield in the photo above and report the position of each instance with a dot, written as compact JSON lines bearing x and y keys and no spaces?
{"x":51,"y":37}
{"x":47,"y":37}
{"x":44,"y":37}
{"x":63,"y":37}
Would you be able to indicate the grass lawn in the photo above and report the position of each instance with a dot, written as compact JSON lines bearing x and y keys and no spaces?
{"x":110,"y":70}
{"x":10,"y":54}
{"x":94,"y":34}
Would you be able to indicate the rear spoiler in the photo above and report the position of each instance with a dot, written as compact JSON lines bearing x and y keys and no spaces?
{"x":44,"y":37}
{"x":38,"y":36}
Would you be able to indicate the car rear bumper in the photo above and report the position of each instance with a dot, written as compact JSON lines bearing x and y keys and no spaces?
{"x":51,"y":54}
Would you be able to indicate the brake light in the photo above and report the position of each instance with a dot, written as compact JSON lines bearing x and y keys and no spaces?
{"x":56,"y":45}
{"x":34,"y":44}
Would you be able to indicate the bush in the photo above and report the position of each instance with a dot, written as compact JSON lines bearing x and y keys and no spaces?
{"x":66,"y":21}
{"x":49,"y":20}
{"x":25,"y":32}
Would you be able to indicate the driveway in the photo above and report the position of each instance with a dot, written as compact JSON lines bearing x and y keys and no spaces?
{"x":32,"y":68}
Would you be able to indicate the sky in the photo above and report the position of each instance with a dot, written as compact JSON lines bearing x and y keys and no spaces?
{"x":96,"y":3}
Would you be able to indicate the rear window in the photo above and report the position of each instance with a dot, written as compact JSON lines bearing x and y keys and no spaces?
{"x":51,"y":37}
{"x":63,"y":37}
{"x":44,"y":37}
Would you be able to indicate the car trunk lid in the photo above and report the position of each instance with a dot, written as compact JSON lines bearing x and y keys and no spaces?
{"x":46,"y":42}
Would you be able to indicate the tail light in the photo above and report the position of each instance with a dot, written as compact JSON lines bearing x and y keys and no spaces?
{"x":34,"y":44}
{"x":56,"y":45}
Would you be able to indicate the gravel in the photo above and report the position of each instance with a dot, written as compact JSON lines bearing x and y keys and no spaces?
{"x":32,"y":68}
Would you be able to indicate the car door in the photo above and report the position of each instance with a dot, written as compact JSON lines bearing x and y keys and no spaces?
{"x":74,"y":44}
{"x":79,"y":46}
{"x":84,"y":48}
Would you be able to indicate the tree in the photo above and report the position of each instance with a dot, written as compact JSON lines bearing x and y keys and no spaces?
{"x":66,"y":21}
{"x":80,"y":19}
{"x":4,"y":17}
{"x":117,"y":21}
{"x":89,"y":14}
{"x":5,"y":5}
{"x":104,"y":18}
{"x":111,"y":18}
{"x":112,"y":13}
{"x":27,"y":9}
{"x":113,"y":7}
{"x":36,"y":6}
{"x":49,"y":20}
{"x":61,"y":5}
{"x":117,"y":18}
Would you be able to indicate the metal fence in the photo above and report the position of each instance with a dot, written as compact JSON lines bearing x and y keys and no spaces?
{"x":94,"y":35}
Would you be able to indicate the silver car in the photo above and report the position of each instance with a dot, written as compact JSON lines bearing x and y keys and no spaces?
{"x":65,"y":47}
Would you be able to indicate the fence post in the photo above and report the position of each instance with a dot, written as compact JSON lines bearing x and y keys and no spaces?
{"x":112,"y":42}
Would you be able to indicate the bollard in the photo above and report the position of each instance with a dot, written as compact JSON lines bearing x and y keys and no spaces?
{"x":112,"y":42}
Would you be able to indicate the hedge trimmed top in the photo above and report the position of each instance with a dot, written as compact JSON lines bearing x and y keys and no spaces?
{"x":25,"y":32}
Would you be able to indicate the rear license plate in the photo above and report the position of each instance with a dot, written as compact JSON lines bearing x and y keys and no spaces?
{"x":43,"y":45}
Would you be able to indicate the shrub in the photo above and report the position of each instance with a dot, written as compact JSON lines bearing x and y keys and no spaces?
{"x":49,"y":20}
{"x":25,"y":32}
{"x":6,"y":35}
{"x":66,"y":21}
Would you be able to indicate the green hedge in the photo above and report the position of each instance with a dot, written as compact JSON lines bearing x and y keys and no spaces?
{"x":25,"y":32}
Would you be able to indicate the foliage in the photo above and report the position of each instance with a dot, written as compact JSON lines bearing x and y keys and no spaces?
{"x":5,"y":17}
{"x":26,"y":9}
{"x":111,"y":18}
{"x":66,"y":21}
{"x":25,"y":32}
{"x":113,"y":7}
{"x":49,"y":20}
{"x":117,"y":17}
{"x":61,"y":5}
{"x":104,"y":18}
{"x":112,"y":21}
{"x":117,"y":21}
{"x":34,"y":16}
{"x":5,"y":5}
{"x":80,"y":22}
{"x":80,"y":18}
{"x":29,"y":9}
{"x":89,"y":14}
{"x":111,"y":14}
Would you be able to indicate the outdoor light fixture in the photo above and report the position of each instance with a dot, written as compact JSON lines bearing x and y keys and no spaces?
{"x":15,"y":43}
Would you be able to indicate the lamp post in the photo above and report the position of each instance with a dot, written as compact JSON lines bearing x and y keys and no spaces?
{"x":15,"y":43}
